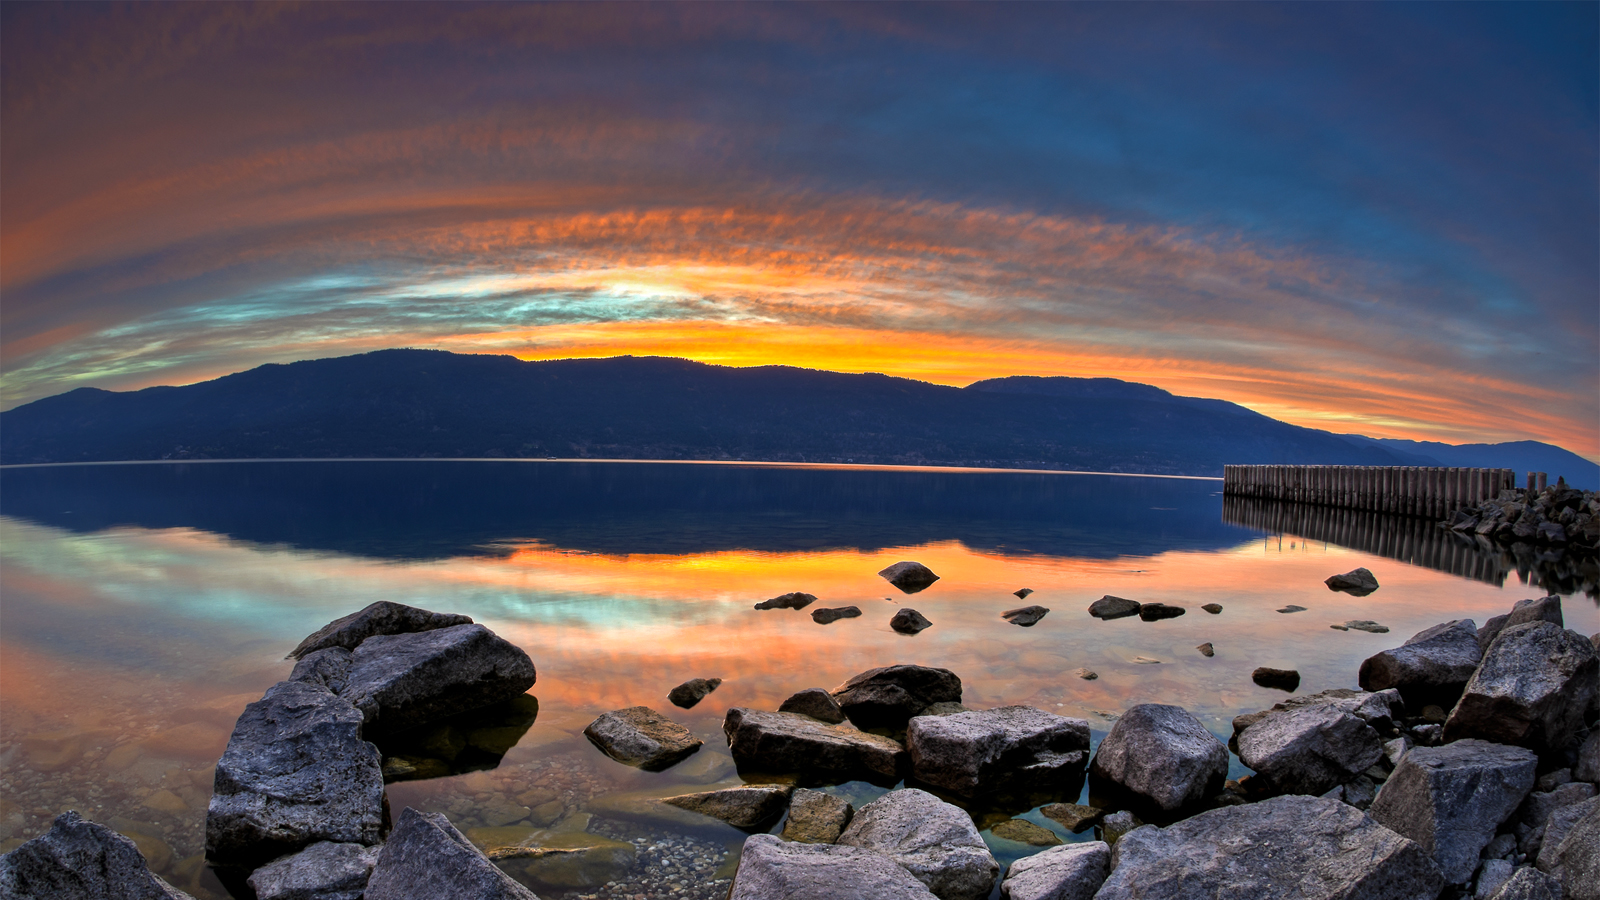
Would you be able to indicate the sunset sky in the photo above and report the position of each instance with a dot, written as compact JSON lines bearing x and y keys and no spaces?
{"x":1371,"y":218}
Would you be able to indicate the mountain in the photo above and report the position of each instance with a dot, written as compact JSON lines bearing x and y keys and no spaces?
{"x":429,"y":403}
{"x":1521,"y":456}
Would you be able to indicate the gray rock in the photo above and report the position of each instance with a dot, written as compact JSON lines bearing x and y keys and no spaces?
{"x":1163,"y":755}
{"x":691,"y":692}
{"x":1588,"y":767}
{"x":401,"y":681}
{"x":427,"y":857}
{"x":80,"y":860}
{"x":1379,"y":709}
{"x":935,"y":841}
{"x":1359,"y":792}
{"x":328,"y":668}
{"x":1068,"y":872}
{"x":1452,"y":799}
{"x":1309,"y":749}
{"x":909,"y":621}
{"x":1292,"y":846}
{"x":1532,"y":689}
{"x":1435,"y":664}
{"x":640,"y":736}
{"x":1549,"y":781}
{"x":1540,"y":805}
{"x":773,"y":869}
{"x":1277,"y":679}
{"x":746,"y":806}
{"x":1022,"y":594}
{"x":981,"y":751}
{"x":909,"y":576}
{"x":1492,"y":876}
{"x":829,"y":616}
{"x":1577,"y":858}
{"x":816,"y":703}
{"x":295,"y":772}
{"x":1539,"y":609}
{"x":1109,"y":607}
{"x":382,"y":617}
{"x":816,"y":817}
{"x":1504,"y":846}
{"x":780,"y":742}
{"x":1026,"y":616}
{"x":1528,"y":883}
{"x":1358,"y":582}
{"x":791,"y":600}
{"x":1559,"y":827}
{"x":1151,"y":612}
{"x":888,"y":696}
{"x":1075,"y":817}
{"x":322,"y":871}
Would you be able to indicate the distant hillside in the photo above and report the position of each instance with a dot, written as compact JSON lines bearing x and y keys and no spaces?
{"x":425,"y":403}
{"x":1522,"y":456}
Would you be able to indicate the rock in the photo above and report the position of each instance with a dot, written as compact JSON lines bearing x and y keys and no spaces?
{"x":1588,"y":767}
{"x":686,"y":695}
{"x":1435,"y":664}
{"x":1359,"y":792}
{"x":887,"y":697}
{"x":1540,"y":609}
{"x":383,"y":617}
{"x":295,"y":772}
{"x":1022,"y":594}
{"x":779,"y":742}
{"x":1528,"y":883}
{"x":1109,"y":607}
{"x":1559,"y":827}
{"x":1163,"y":755}
{"x":749,"y":806}
{"x":1022,"y":831}
{"x":427,"y":857}
{"x":1357,"y":582}
{"x":909,"y":577}
{"x":566,"y":859}
{"x":1070,"y":872}
{"x":1292,"y":846}
{"x":327,"y":668}
{"x":640,"y":736}
{"x":1146,"y":661}
{"x":401,"y":681}
{"x":829,"y":616}
{"x":982,"y":751}
{"x":1504,"y":846}
{"x":1291,"y":608}
{"x":791,"y":600}
{"x":1549,"y":781}
{"x":1532,"y":689}
{"x":1075,"y":817}
{"x":1086,"y":674}
{"x":1366,"y":625}
{"x":1376,"y":709}
{"x":1576,"y":860}
{"x":1541,"y":805}
{"x":1452,"y":799}
{"x":816,"y":817}
{"x":1151,"y":612}
{"x":1278,"y":679}
{"x":322,"y":871}
{"x":1492,"y":876}
{"x":816,"y":703}
{"x":1115,"y":825}
{"x":909,"y":621}
{"x":1309,"y":749}
{"x":80,"y":860}
{"x":1026,"y":616}
{"x":935,"y":841}
{"x":772,"y":869}
{"x":1207,"y":650}
{"x":1213,"y":608}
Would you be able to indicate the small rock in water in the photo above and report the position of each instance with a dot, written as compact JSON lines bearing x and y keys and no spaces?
{"x":1291,"y":608}
{"x":1207,"y":650}
{"x":640,"y":736}
{"x":1024,"y":832}
{"x":1075,"y":817}
{"x":1086,"y":674}
{"x":791,"y":600}
{"x":1357,"y":582}
{"x":829,"y":616}
{"x":910,"y":577}
{"x":750,"y":806}
{"x":816,"y":703}
{"x":1146,"y":661}
{"x":1280,"y":679}
{"x":1024,"y":616}
{"x":694,"y":690}
{"x":1109,"y":607}
{"x":1366,"y":625}
{"x":909,"y":621}
{"x":1022,"y":594}
{"x":1151,"y":612}
{"x":1212,"y":608}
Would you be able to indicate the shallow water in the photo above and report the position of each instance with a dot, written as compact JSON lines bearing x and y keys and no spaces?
{"x":141,"y":607}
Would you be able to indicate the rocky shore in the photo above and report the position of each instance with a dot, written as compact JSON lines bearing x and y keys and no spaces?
{"x":1553,"y":533}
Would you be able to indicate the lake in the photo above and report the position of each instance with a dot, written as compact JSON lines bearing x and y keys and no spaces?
{"x":142,"y":606}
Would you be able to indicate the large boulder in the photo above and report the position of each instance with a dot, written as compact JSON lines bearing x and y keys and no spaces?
{"x":322,"y":871}
{"x":296,"y":771}
{"x":427,"y":857}
{"x":746,"y":806}
{"x":1452,"y":799}
{"x":909,"y":576}
{"x":383,"y":617}
{"x":1537,"y":609}
{"x":779,"y":742}
{"x":640,"y":736}
{"x":1532,"y":689}
{"x":400,"y":681}
{"x":888,"y":696}
{"x":1309,"y":749}
{"x":1163,"y":756}
{"x":1432,"y":667}
{"x":815,"y":817}
{"x":1295,"y":846}
{"x":774,"y":869}
{"x":985,"y":750}
{"x":81,"y":860}
{"x":935,"y":841}
{"x":1068,"y":872}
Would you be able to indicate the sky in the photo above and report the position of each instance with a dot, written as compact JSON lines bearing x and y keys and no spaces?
{"x":1371,"y":218}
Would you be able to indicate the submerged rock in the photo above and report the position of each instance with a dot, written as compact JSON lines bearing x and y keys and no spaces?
{"x":1357,"y":582}
{"x":1075,"y":817}
{"x":400,"y":681}
{"x":322,"y":871}
{"x":888,"y":696}
{"x":1025,"y":616}
{"x":1366,"y":625}
{"x":1109,"y":607}
{"x":383,"y":617}
{"x":1022,"y":831}
{"x":816,"y":817}
{"x":748,"y":806}
{"x":427,"y":857}
{"x":778,"y":742}
{"x":1162,"y":755}
{"x":986,"y":750}
{"x":1533,"y":689}
{"x":566,"y":859}
{"x":935,"y":841}
{"x":816,"y":703}
{"x":1086,"y":674}
{"x":640,"y":736}
{"x":773,"y":869}
{"x":1277,"y":679}
{"x":691,"y":692}
{"x":1433,"y":665}
{"x":81,"y":860}
{"x":910,"y":577}
{"x":909,"y":621}
{"x":829,"y":616}
{"x":1070,"y":872}
{"x":791,"y":600}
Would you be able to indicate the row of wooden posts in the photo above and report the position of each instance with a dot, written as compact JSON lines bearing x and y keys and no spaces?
{"x":1433,"y":492}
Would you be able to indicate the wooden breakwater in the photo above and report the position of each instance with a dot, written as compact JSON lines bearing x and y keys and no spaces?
{"x":1424,"y":491}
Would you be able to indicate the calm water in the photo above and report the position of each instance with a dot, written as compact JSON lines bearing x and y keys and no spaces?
{"x":144,"y":606}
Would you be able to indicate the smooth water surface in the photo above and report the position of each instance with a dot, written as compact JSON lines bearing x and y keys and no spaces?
{"x":144,"y":606}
